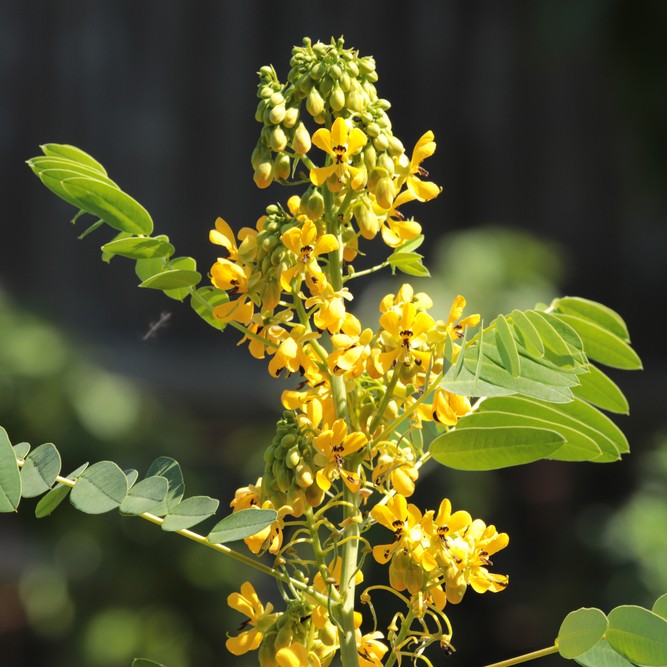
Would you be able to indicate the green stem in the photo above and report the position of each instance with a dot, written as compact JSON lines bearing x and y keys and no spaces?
{"x":366,"y":272}
{"x":523,"y":658}
{"x":224,"y":549}
{"x":401,"y":637}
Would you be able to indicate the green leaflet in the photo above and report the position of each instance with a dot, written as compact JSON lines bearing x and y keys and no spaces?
{"x":110,"y":204}
{"x":40,"y":470}
{"x":580,"y":631}
{"x":190,"y":512}
{"x":409,"y":263}
{"x":594,"y":312}
{"x":100,"y":488}
{"x":490,"y":448}
{"x":602,"y":655}
{"x":56,"y":495}
{"x":527,"y":335}
{"x":74,"y":154}
{"x":638,"y":635}
{"x":145,"y":662}
{"x":204,"y":299}
{"x":576,"y":445}
{"x":660,"y":606}
{"x":166,"y":467}
{"x":10,"y":478}
{"x":241,"y":524}
{"x":145,"y":495}
{"x":21,"y":450}
{"x":140,"y":247}
{"x":598,"y":389}
{"x":576,"y":421}
{"x":507,"y":348}
{"x":175,"y":277}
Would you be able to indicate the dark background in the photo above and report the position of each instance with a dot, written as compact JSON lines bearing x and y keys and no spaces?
{"x":550,"y":119}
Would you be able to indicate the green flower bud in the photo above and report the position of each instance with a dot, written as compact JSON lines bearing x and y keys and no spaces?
{"x":293,"y":458}
{"x":326,"y":85}
{"x":277,"y":256}
{"x":396,"y":147}
{"x":278,"y":140}
{"x":374,"y":177}
{"x":386,"y":163}
{"x":335,"y":71}
{"x":352,"y":69}
{"x":314,"y":102}
{"x":259,"y":113}
{"x":385,"y":192}
{"x":355,"y":100}
{"x":276,"y":99}
{"x":369,"y":156}
{"x":304,"y":475}
{"x":281,"y":167}
{"x":345,"y":82}
{"x":276,"y":114}
{"x":265,"y":92}
{"x":291,"y":117}
{"x":315,"y":205}
{"x":381,"y":142}
{"x":366,"y":220}
{"x":373,"y":130}
{"x":337,"y":99}
{"x":366,"y":64}
{"x":301,"y":142}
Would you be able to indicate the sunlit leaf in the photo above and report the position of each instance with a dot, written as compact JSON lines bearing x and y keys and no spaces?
{"x":241,"y":524}
{"x":491,"y":448}
{"x":172,"y":279}
{"x":506,"y":346}
{"x":602,"y":655}
{"x":660,"y":606}
{"x":527,"y":334}
{"x":21,"y":450}
{"x":595,"y":312}
{"x":110,"y":204}
{"x":580,"y":631}
{"x":101,"y":488}
{"x":10,"y":478}
{"x":73,"y":153}
{"x":598,"y":389}
{"x":190,"y":512}
{"x":40,"y":470}
{"x":603,"y":346}
{"x":140,"y":247}
{"x":639,"y":635}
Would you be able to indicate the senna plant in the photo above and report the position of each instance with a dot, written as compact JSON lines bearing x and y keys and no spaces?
{"x":351,"y":441}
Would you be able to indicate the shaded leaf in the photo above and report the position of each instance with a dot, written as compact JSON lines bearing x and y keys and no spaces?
{"x":527,"y":334}
{"x":241,"y":524}
{"x":145,"y":495}
{"x":166,"y":467}
{"x":506,"y":346}
{"x":21,"y":450}
{"x":190,"y":512}
{"x":56,"y":495}
{"x":660,"y":606}
{"x":100,"y":488}
{"x":492,"y":448}
{"x":172,"y":279}
{"x":204,"y":300}
{"x":40,"y":470}
{"x":10,"y":478}
{"x":580,"y":631}
{"x":145,"y":662}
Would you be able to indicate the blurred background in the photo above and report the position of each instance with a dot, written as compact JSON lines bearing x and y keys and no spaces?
{"x":550,"y":118}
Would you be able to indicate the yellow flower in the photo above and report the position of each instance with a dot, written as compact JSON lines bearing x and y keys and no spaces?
{"x":305,"y":243}
{"x":293,"y":354}
{"x":331,"y":312}
{"x":296,"y":655}
{"x":454,"y":328}
{"x":353,"y":349}
{"x":341,"y":146}
{"x":422,"y":190}
{"x":270,"y":538}
{"x":224,"y":236}
{"x":260,"y":619}
{"x":334,"y":445}
{"x":371,"y":649}
{"x":446,"y":408}
{"x":397,"y":464}
{"x":396,"y":228}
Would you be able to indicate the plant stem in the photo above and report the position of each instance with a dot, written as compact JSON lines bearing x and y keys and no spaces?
{"x":526,"y":657}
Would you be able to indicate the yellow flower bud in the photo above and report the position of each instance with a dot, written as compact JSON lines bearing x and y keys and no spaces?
{"x":304,"y":475}
{"x":301,"y":142}
{"x":276,"y":99}
{"x":277,"y":114}
{"x":315,"y":205}
{"x":381,"y":142}
{"x":263,"y":175}
{"x":367,"y":221}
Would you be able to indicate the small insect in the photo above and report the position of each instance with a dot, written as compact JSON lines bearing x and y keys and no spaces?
{"x":156,"y":326}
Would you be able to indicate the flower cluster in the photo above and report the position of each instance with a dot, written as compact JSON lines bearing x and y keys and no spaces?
{"x":352,"y":429}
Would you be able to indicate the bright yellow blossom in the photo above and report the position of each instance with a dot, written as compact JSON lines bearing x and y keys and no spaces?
{"x":422,"y":190}
{"x":305,"y":243}
{"x":260,"y":619}
{"x":341,"y":145}
{"x":334,"y":445}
